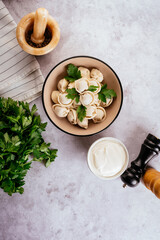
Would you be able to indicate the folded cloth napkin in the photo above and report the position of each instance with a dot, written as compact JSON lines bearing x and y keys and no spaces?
{"x":20,"y":75}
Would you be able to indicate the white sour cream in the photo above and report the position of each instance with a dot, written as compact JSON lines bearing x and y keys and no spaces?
{"x":108,"y":158}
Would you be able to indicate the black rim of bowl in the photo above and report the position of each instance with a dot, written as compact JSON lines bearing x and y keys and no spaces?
{"x":57,"y":66}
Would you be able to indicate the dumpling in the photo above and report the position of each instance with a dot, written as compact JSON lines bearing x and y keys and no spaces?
{"x":94,"y":82}
{"x":91,"y":112}
{"x":75,"y":104}
{"x":97,"y":102}
{"x":71,"y":85}
{"x":107,"y":103}
{"x":54,"y":96}
{"x":100,"y":116}
{"x":59,"y":110}
{"x":96,"y":74}
{"x":81,"y":85}
{"x":62,"y":85}
{"x":62,"y":99}
{"x":84,"y":72}
{"x":72,"y":116}
{"x":87,"y":98}
{"x":83,"y":124}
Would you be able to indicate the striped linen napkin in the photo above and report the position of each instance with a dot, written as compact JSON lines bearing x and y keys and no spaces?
{"x":20,"y":75}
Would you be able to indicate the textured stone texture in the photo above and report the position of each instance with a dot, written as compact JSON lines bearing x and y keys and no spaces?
{"x":66,"y":201}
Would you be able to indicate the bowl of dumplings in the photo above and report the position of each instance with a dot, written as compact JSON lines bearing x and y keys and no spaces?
{"x":82,"y":96}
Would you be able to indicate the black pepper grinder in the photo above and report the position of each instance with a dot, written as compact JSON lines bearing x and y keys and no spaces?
{"x":149,"y":149}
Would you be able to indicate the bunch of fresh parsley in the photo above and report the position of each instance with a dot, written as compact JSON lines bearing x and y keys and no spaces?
{"x":20,"y":136}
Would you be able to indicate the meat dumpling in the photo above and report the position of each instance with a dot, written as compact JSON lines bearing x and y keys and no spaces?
{"x":87,"y":98}
{"x":62,"y":85}
{"x":100,"y":116}
{"x":107,"y":103}
{"x":91,"y":112}
{"x":59,"y":110}
{"x":62,"y":99}
{"x":83,"y":124}
{"x":72,"y":116}
{"x":84,"y":72}
{"x":96,"y":74}
{"x":81,"y":85}
{"x":54,"y":96}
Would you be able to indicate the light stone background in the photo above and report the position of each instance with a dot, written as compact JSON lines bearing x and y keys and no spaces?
{"x":66,"y":201}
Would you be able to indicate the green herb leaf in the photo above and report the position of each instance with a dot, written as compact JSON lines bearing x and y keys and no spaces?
{"x":20,"y":136}
{"x":6,"y":138}
{"x":104,"y":86}
{"x":33,"y":110}
{"x":73,"y":73}
{"x":81,"y":111}
{"x":3,"y":125}
{"x":101,"y":97}
{"x":26,"y":121}
{"x":110,"y":92}
{"x":70,"y":79}
{"x":77,"y":98}
{"x":72,"y":94}
{"x":106,"y":93}
{"x":92,"y":88}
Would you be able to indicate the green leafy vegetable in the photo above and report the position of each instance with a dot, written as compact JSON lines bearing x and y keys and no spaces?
{"x":73,"y":94}
{"x":81,"y":111}
{"x":92,"y":88}
{"x":73,"y":73}
{"x":20,"y":136}
{"x":70,"y":79}
{"x":106,"y":93}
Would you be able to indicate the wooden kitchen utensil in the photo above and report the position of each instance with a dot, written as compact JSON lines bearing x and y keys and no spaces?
{"x":40,"y":24}
{"x":38,"y":33}
{"x":150,"y":148}
{"x":151,"y":180}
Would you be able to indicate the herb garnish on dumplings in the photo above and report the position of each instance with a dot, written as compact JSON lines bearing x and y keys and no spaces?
{"x":73,"y":73}
{"x":82,"y":97}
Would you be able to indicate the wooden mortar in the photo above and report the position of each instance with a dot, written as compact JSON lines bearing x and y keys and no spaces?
{"x":38,"y":22}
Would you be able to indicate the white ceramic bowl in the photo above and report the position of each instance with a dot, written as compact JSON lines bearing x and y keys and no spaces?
{"x":93,"y":169}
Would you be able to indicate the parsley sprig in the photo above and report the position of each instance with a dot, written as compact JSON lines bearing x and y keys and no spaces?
{"x":20,"y":137}
{"x":92,"y":88}
{"x":106,"y":93}
{"x":73,"y":73}
{"x":73,"y":94}
{"x":81,"y":111}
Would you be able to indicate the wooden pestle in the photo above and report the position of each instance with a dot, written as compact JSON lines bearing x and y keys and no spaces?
{"x":151,"y":180}
{"x":40,"y":23}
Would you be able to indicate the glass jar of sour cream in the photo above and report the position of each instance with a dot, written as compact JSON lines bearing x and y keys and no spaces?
{"x":108,"y":158}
